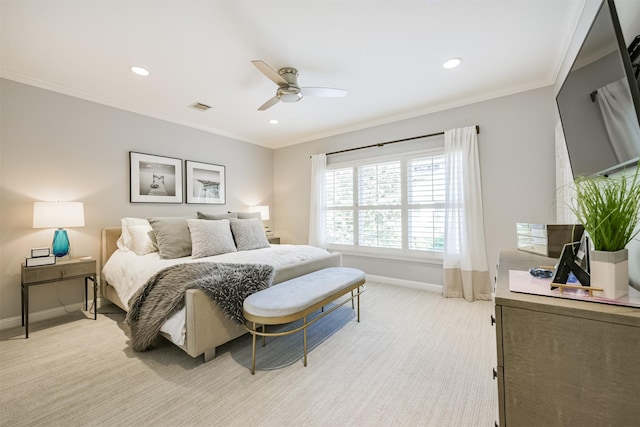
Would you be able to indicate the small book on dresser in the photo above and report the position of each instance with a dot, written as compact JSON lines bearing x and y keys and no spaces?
{"x":42,"y":260}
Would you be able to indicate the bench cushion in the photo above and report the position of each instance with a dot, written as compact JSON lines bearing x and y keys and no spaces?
{"x":295,"y":295}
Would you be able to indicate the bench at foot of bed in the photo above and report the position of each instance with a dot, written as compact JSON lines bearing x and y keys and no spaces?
{"x":297,"y":298}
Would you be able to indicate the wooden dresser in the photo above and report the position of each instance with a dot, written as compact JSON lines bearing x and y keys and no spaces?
{"x":563,"y":362}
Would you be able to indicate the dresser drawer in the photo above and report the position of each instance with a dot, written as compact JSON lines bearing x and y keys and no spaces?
{"x":64,"y":270}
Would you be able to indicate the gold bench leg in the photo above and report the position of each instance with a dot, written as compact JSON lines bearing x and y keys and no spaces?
{"x":304,"y":333}
{"x":253,"y":352}
{"x":358,"y":297}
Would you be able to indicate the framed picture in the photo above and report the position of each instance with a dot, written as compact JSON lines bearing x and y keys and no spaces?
{"x":205,"y":183}
{"x":155,"y":179}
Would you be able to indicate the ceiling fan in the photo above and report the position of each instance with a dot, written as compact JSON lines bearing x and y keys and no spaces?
{"x":288,"y":89}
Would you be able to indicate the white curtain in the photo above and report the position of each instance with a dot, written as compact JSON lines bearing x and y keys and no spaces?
{"x":565,"y":192}
{"x":317,"y":207}
{"x":466,"y":274}
{"x":619,"y":117}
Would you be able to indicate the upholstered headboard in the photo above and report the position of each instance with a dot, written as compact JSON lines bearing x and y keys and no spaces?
{"x":110,"y":236}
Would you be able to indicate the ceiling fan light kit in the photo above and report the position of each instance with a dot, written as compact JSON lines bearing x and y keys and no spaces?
{"x":288,"y":89}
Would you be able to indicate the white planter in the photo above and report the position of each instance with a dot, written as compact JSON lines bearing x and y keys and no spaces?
{"x":610,"y":271}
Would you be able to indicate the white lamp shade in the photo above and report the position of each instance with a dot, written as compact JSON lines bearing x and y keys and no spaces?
{"x":58,"y":214}
{"x":264,"y":212}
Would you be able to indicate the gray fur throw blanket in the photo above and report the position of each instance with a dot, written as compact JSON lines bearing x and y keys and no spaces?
{"x":226,"y":284}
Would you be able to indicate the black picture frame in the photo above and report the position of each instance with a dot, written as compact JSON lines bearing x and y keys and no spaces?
{"x":574,"y":260}
{"x":154,"y":179}
{"x":205,"y":183}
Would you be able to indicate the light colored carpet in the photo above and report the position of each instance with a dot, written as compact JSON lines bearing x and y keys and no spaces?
{"x":415,"y":359}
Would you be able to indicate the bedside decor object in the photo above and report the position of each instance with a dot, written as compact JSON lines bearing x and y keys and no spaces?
{"x":58,"y":215}
{"x":609,"y":207}
{"x":155,"y":179}
{"x":41,"y":260}
{"x":205,"y":183}
{"x":40,"y":252}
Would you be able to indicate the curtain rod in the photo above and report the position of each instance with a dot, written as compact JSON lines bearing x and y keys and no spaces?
{"x":381,"y":144}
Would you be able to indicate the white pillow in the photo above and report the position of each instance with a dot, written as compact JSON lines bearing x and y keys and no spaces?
{"x":142,"y":239}
{"x":210,"y":237}
{"x":124,"y":241}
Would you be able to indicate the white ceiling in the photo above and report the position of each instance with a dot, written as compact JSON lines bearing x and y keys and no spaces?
{"x":387,"y":53}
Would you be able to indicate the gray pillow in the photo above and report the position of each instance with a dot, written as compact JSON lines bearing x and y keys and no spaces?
{"x":203,"y":215}
{"x":172,"y":235}
{"x":210,"y":237}
{"x":249,"y":234}
{"x":247,"y":215}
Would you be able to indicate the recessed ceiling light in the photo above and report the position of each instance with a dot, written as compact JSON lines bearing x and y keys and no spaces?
{"x":452,"y":63}
{"x":140,"y":71}
{"x":274,"y":121}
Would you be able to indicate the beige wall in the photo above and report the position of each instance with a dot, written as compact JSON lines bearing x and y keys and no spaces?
{"x":517,"y":163}
{"x":56,"y":147}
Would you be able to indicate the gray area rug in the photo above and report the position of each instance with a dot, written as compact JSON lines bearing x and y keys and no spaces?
{"x":415,"y":359}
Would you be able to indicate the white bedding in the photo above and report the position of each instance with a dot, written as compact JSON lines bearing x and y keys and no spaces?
{"x":127,"y":272}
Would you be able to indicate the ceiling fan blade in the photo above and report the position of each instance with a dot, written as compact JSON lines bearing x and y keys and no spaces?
{"x":269,"y":72}
{"x":270,"y":103}
{"x":326,"y":92}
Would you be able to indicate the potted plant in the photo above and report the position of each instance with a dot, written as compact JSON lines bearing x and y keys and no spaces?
{"x":609,"y":210}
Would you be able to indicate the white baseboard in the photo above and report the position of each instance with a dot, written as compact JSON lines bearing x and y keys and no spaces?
{"x":13,"y":322}
{"x":406,"y":283}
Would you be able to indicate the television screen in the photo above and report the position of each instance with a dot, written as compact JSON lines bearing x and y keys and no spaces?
{"x":599,"y":102}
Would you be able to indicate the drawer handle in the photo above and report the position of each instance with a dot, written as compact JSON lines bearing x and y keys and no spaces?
{"x":493,"y":320}
{"x":495,"y":374}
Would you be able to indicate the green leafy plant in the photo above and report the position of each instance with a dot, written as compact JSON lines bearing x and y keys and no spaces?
{"x":609,"y":209}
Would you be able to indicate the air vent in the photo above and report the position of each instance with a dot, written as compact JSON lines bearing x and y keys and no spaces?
{"x":200,"y":106}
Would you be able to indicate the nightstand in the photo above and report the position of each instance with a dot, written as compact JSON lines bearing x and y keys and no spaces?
{"x":74,"y":268}
{"x":274,"y":240}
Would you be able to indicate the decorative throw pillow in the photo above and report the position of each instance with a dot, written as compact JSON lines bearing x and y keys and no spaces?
{"x":247,"y":215}
{"x":124,"y":241}
{"x":143,"y":239}
{"x":172,"y":235}
{"x":249,"y":234}
{"x":203,"y":215}
{"x":210,"y":237}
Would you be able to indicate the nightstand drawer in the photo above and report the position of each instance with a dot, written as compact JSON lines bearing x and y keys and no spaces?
{"x":59,"y":271}
{"x":74,"y":268}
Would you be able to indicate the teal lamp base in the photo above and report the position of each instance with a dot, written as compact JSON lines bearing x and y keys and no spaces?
{"x":60,"y":243}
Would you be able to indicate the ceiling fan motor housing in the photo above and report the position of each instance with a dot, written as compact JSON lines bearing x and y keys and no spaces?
{"x":290,"y":92}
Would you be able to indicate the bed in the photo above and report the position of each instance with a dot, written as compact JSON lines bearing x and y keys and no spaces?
{"x":203,"y":325}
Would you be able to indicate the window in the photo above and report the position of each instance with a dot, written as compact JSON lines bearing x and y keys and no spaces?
{"x":393,"y":205}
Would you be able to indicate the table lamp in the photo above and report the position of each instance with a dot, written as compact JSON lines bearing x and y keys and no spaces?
{"x":58,"y":215}
{"x":264,"y":214}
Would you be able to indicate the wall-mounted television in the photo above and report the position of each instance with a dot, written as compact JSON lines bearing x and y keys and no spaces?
{"x":599,"y":101}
